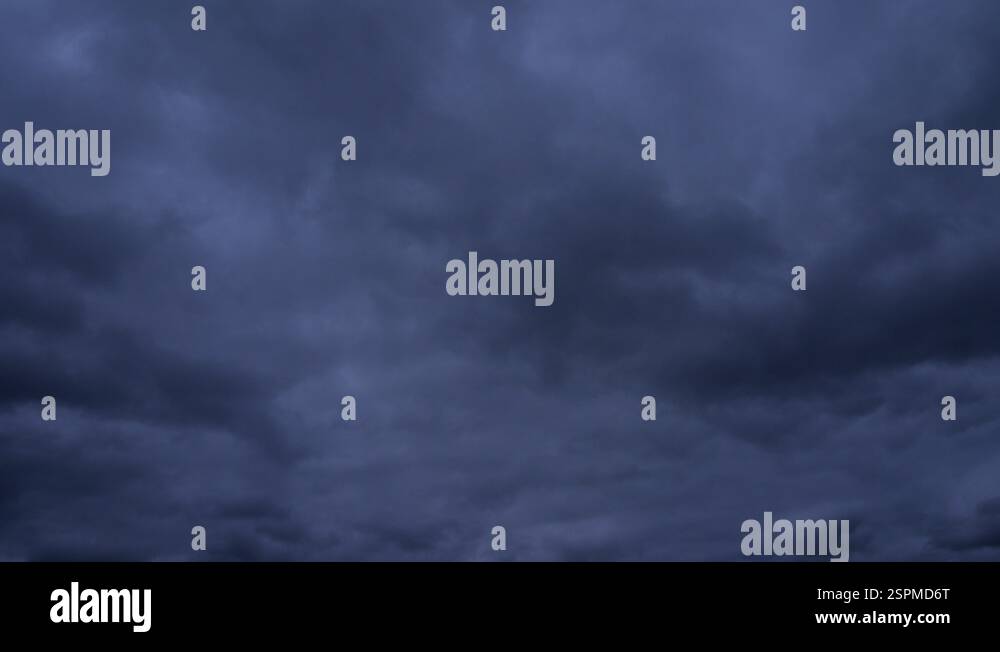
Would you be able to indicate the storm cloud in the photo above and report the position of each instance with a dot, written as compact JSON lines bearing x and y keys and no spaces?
{"x":327,"y":278}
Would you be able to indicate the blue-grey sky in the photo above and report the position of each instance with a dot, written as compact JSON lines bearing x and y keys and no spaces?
{"x":327,"y":278}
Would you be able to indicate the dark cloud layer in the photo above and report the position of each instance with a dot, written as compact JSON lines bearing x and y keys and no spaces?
{"x":222,"y":408}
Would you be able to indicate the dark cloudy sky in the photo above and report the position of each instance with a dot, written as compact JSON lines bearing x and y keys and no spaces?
{"x":327,"y":278}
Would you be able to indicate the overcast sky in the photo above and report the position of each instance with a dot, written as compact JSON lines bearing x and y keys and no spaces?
{"x":327,"y":278}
